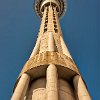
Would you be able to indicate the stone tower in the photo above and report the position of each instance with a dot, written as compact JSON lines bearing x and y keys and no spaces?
{"x":50,"y":73}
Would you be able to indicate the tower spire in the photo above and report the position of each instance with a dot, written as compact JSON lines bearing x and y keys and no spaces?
{"x":50,"y":73}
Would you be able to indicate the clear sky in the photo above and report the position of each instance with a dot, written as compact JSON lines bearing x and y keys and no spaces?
{"x":18,"y":31}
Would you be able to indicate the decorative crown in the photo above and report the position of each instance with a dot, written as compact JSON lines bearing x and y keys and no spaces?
{"x":39,"y":5}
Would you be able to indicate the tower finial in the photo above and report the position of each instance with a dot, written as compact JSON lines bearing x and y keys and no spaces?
{"x":39,"y":5}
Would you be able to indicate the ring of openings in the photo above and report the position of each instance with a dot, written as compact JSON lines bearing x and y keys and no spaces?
{"x":54,"y":20}
{"x":46,"y":20}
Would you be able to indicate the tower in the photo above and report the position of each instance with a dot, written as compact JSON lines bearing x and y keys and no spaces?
{"x":50,"y":73}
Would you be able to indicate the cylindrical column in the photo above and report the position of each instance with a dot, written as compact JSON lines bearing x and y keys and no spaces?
{"x":50,"y":42}
{"x":64,"y":48}
{"x":21,"y":88}
{"x":81,"y":89}
{"x":52,"y":83}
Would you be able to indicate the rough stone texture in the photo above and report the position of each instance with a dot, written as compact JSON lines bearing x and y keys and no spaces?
{"x":44,"y":43}
{"x":50,"y":57}
{"x":58,"y":42}
{"x":50,"y":69}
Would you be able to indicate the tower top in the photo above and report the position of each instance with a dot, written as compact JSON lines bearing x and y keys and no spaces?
{"x":39,"y":5}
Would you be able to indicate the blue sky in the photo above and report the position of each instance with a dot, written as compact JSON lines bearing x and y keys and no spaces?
{"x":18,"y":32}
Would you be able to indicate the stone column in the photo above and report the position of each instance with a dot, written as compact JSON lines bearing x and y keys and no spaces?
{"x":51,"y":46}
{"x":21,"y":88}
{"x":64,"y":47}
{"x":80,"y":88}
{"x":52,"y":83}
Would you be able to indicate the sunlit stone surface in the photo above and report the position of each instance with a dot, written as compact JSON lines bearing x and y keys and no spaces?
{"x":50,"y":73}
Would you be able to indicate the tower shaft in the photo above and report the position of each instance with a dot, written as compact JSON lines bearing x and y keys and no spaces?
{"x":50,"y":73}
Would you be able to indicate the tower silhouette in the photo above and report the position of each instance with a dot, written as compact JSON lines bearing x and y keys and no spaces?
{"x":50,"y":73}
